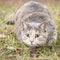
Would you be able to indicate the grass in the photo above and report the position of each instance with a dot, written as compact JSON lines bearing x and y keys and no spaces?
{"x":11,"y":49}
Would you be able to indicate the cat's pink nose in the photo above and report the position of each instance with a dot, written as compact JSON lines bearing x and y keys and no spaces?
{"x":31,"y":41}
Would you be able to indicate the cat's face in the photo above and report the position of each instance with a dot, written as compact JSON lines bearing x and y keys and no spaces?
{"x":34,"y":37}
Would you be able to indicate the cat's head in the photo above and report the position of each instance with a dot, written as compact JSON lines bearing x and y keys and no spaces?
{"x":34,"y":34}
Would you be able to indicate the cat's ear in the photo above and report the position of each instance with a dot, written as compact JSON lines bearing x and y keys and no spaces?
{"x":25,"y":26}
{"x":43,"y":26}
{"x":28,"y":26}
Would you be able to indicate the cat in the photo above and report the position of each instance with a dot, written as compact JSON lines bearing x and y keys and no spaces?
{"x":34,"y":25}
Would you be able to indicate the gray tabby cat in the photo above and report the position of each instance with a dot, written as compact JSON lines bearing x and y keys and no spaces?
{"x":34,"y":25}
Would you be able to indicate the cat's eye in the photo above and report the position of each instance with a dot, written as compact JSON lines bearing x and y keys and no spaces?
{"x":27,"y":35}
{"x":37,"y":35}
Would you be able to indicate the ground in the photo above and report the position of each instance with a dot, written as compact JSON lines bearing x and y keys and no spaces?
{"x":11,"y":49}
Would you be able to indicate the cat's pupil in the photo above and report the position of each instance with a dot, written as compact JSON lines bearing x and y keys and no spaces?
{"x":37,"y":35}
{"x":28,"y":35}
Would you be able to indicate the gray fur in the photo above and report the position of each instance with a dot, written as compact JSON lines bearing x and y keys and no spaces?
{"x":35,"y":16}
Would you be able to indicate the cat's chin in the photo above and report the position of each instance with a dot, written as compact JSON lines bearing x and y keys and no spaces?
{"x":28,"y":45}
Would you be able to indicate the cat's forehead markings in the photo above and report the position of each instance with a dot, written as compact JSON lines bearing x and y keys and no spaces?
{"x":32,"y":31}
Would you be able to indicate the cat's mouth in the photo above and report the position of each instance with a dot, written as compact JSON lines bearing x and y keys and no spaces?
{"x":32,"y":45}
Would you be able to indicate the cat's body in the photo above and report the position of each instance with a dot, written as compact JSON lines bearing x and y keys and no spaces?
{"x":34,"y":25}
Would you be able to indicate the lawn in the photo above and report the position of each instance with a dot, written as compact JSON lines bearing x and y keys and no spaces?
{"x":11,"y":49}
